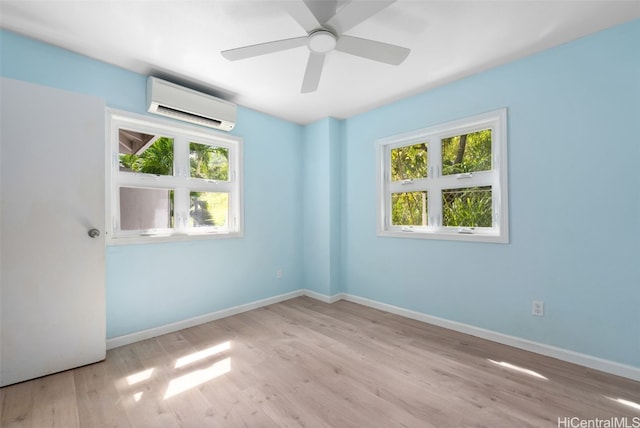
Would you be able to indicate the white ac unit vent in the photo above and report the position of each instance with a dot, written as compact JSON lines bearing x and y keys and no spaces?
{"x":177,"y":102}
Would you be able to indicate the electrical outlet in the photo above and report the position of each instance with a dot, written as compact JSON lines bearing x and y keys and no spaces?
{"x":537,"y":308}
{"x":279,"y":274}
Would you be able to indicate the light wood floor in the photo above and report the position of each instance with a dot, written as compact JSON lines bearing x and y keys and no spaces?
{"x":303,"y":363}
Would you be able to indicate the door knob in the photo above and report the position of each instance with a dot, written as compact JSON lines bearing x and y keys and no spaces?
{"x":94,"y":233}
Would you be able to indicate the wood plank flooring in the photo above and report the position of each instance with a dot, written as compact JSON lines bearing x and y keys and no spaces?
{"x":304,"y":363}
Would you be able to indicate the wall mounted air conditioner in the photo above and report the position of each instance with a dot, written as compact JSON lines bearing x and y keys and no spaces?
{"x":177,"y":102}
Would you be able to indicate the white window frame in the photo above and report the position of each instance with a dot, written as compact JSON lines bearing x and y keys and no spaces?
{"x":436,"y":182}
{"x":180,"y":182}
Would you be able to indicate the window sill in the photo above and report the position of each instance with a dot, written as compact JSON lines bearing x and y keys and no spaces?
{"x":157,"y":239}
{"x":453,"y":235}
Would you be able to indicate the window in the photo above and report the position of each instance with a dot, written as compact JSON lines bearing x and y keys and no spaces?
{"x":171,"y":182}
{"x":446,"y":182}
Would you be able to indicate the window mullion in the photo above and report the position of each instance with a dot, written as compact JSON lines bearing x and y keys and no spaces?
{"x":147,"y":180}
{"x":434,"y":195}
{"x":481,"y":179}
{"x":181,"y":192}
{"x":435,"y":157}
{"x":181,"y":157}
{"x":181,"y":209}
{"x":197,"y":185}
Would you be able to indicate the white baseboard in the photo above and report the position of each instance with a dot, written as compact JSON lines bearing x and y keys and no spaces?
{"x":170,"y":328}
{"x":596,"y":363}
{"x":323,"y":297}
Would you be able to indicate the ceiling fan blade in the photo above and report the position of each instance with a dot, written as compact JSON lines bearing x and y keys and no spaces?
{"x":370,"y":49}
{"x":313,"y":72}
{"x":263,"y":48}
{"x":323,"y":10}
{"x":299,"y":10}
{"x":356,"y":12}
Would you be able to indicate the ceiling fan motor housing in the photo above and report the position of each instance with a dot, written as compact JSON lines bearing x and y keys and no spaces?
{"x":321,"y":41}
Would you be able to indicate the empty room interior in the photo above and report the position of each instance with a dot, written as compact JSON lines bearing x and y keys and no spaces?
{"x":320,"y":213}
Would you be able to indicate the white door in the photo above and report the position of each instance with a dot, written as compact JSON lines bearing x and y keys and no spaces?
{"x":52,"y":191}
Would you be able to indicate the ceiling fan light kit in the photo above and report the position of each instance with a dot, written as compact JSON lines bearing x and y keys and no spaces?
{"x":321,"y":38}
{"x":321,"y":41}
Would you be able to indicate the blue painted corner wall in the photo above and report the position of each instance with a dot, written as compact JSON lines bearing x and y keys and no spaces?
{"x":322,"y":206}
{"x":574,"y":115}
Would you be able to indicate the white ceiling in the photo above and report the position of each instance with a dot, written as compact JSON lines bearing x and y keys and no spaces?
{"x":181,"y":40}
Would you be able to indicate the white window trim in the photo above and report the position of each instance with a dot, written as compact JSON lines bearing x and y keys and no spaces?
{"x":180,"y":181}
{"x":435,"y":182}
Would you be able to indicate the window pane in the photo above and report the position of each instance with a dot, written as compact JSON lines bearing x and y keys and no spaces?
{"x":409,"y":162}
{"x":467,"y":153}
{"x":208,"y":209}
{"x":149,"y":154}
{"x":209,"y":162}
{"x":409,"y":209}
{"x":467,"y":207}
{"x":142,"y":209}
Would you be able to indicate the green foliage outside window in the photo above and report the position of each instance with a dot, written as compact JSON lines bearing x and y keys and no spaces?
{"x":409,"y":208}
{"x":156,"y":159}
{"x":409,"y":162}
{"x":209,"y":162}
{"x":468,"y":207}
{"x":466,"y":153}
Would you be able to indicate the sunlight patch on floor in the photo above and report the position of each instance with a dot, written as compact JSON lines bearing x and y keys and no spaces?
{"x":197,"y":377}
{"x":518,"y":369}
{"x":139,"y":377}
{"x":624,"y":402}
{"x":201,"y":355}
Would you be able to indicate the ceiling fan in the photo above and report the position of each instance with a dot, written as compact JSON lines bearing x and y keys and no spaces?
{"x":325,"y":24}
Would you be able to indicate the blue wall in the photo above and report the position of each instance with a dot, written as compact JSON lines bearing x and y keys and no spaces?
{"x":574,"y":151}
{"x":574,"y":115}
{"x":322,"y":206}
